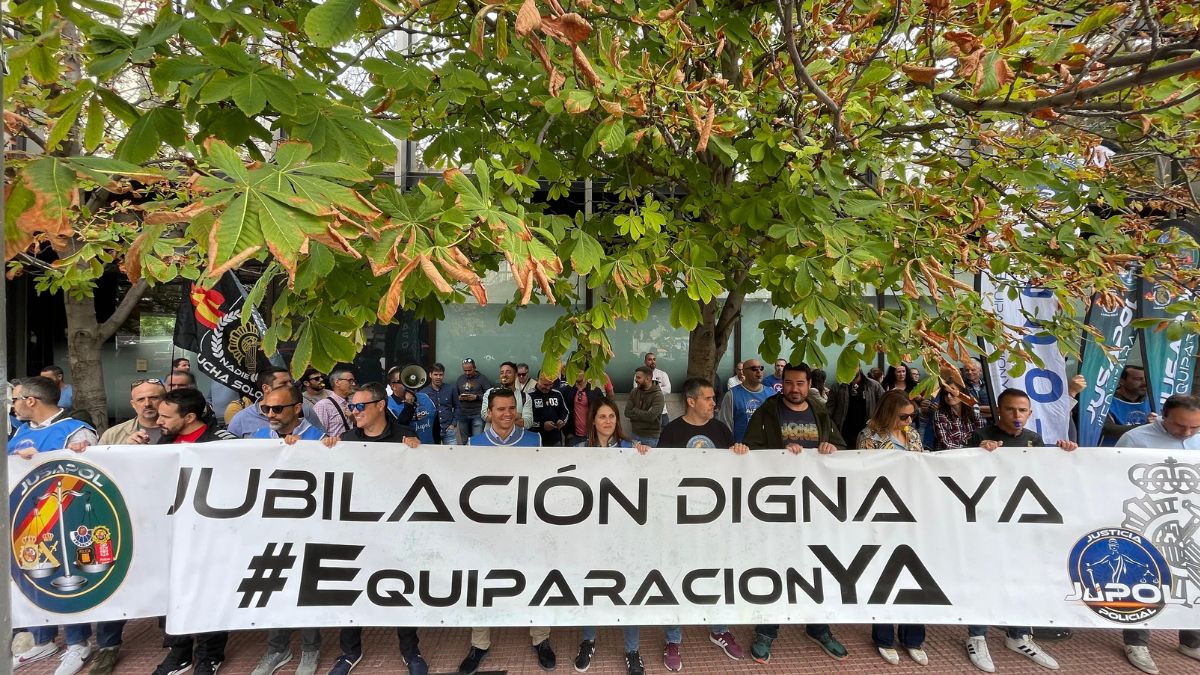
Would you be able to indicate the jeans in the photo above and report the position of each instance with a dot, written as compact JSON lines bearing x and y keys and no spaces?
{"x":1140,"y":637}
{"x":632,"y":636}
{"x":108,"y":633}
{"x":652,"y":442}
{"x":1014,"y":632}
{"x":771,"y":630}
{"x":351,"y":641}
{"x":279,"y":639}
{"x":468,"y":427}
{"x":674,"y":634}
{"x":911,"y":636}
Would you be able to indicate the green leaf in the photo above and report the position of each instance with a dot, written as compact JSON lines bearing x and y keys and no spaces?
{"x":63,"y":125}
{"x":333,"y":170}
{"x":848,"y":363}
{"x":141,"y":142}
{"x":579,"y":101}
{"x":588,"y":253}
{"x":43,"y":64}
{"x":331,"y":22}
{"x":990,"y":83}
{"x":1097,"y":19}
{"x":685,"y":312}
{"x":93,"y":132}
{"x":248,"y":94}
{"x":226,"y":159}
{"x":119,"y":107}
{"x":613,"y":136}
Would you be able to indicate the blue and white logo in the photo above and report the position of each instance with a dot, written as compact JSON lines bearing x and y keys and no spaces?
{"x":1120,"y":575}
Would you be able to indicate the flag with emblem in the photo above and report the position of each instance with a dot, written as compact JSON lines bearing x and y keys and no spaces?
{"x":209,"y":323}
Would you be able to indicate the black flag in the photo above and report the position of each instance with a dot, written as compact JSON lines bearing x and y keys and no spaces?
{"x":209,"y":323}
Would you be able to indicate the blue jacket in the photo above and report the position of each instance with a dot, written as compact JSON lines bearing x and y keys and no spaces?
{"x":47,"y":438}
{"x":424,"y":419}
{"x":446,"y":402}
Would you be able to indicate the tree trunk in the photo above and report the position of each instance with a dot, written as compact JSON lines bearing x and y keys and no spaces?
{"x":710,"y":338}
{"x":83,"y":349}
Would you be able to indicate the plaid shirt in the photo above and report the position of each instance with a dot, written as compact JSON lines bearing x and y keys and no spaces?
{"x":955,"y":431}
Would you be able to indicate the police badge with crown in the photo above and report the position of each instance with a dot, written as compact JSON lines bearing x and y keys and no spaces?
{"x":1168,"y":514}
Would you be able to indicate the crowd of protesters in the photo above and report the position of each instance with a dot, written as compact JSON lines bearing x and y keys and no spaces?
{"x":793,"y":408}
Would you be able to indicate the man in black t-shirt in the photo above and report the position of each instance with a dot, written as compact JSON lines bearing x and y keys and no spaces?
{"x":696,"y":428}
{"x":1013,"y":410}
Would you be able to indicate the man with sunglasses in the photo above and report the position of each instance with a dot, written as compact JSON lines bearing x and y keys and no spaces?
{"x":144,"y":397}
{"x":741,"y":401}
{"x":469,"y":388}
{"x":368,"y":404}
{"x":313,"y":383}
{"x":251,"y":419}
{"x":333,"y":413}
{"x":282,"y":408}
{"x":524,"y":383}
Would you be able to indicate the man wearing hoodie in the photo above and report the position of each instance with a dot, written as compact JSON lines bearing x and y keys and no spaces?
{"x":645,"y":407}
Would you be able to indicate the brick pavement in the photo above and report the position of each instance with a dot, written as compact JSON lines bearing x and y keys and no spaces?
{"x":1089,"y":651}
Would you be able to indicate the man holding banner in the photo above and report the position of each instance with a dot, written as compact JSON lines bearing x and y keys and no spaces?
{"x":1179,"y":429}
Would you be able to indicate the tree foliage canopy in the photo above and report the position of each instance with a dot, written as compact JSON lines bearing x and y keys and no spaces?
{"x":820,"y":151}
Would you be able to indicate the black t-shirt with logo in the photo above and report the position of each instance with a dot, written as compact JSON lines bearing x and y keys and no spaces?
{"x":799,"y":427}
{"x":993,"y":432}
{"x":680,"y":434}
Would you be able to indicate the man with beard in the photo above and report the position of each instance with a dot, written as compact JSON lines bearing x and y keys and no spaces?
{"x":181,"y":416}
{"x":508,"y":380}
{"x":281,"y":407}
{"x":144,"y":397}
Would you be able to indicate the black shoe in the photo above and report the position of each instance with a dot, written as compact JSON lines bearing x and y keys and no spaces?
{"x":416,"y":663}
{"x":545,"y":654}
{"x":583,"y":660}
{"x":471,"y":663}
{"x":208,"y":665}
{"x":633,"y":662}
{"x":179,"y":660}
{"x":1051,"y":634}
{"x":345,"y":663}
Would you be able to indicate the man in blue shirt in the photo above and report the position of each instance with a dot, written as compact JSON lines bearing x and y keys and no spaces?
{"x":421,"y":414}
{"x":251,"y":419}
{"x":774,"y":381}
{"x":739,"y":404}
{"x":1130,"y":406}
{"x":1178,"y":429}
{"x":281,"y":407}
{"x":445,"y":399}
{"x":66,"y":396}
{"x":501,"y":429}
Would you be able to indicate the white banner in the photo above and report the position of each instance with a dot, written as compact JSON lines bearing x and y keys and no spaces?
{"x":91,"y":539}
{"x":366,"y":534}
{"x":1046,"y":385}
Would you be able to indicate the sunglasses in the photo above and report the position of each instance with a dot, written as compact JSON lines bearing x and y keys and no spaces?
{"x":347,"y":379}
{"x":276,"y":409}
{"x":524,"y":374}
{"x":359,"y":407}
{"x":138,"y":383}
{"x":470,"y":361}
{"x":906,"y":416}
{"x":757,"y":369}
{"x":315,"y":378}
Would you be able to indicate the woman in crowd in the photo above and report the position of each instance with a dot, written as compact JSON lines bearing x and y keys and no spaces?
{"x":604,"y":431}
{"x":817,"y":387}
{"x":891,"y":428}
{"x":955,"y":419}
{"x":899,"y":377}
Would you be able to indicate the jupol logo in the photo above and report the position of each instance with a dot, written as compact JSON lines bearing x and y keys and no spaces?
{"x":1120,"y":575}
{"x":72,"y":539}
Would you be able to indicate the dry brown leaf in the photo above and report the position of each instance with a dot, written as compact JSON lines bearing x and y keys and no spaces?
{"x":964,"y":42}
{"x":921,"y":74}
{"x":570,"y":29}
{"x":529,"y":18}
{"x":435,"y":277}
{"x":706,"y":128}
{"x":613,"y":108}
{"x":585,"y":66}
{"x":180,"y":216}
{"x":969,"y":66}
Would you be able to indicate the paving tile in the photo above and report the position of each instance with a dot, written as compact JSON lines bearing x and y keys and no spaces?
{"x":1091,"y":651}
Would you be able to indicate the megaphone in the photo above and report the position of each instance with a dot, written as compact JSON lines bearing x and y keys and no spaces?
{"x":414,"y":376}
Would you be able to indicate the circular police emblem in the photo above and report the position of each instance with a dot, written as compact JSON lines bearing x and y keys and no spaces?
{"x":71,"y":534}
{"x":1119,"y":575}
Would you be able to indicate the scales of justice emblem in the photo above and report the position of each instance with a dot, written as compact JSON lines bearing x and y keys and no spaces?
{"x":71,"y":536}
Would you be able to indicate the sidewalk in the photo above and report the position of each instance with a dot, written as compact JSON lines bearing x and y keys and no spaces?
{"x":1089,"y":651}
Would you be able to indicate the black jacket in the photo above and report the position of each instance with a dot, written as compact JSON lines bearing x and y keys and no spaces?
{"x":764,"y":433}
{"x":593,"y":394}
{"x":395,"y":433}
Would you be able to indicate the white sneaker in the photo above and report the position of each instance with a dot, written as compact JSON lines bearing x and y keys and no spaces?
{"x":73,"y":658}
{"x":918,"y":655}
{"x":1027,"y":647}
{"x":977,"y":651}
{"x":308,"y":662}
{"x":890,"y":655}
{"x":34,"y":653}
{"x":1140,"y":658}
{"x":22,"y":642}
{"x":1193,"y":652}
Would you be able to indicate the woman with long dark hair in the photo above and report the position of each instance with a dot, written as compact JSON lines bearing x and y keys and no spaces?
{"x":955,"y":419}
{"x":604,"y":431}
{"x":899,"y":377}
{"x":891,"y":428}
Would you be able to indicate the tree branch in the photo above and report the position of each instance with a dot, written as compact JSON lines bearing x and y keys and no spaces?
{"x":789,"y":35}
{"x":1070,"y":98}
{"x":124,"y":309}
